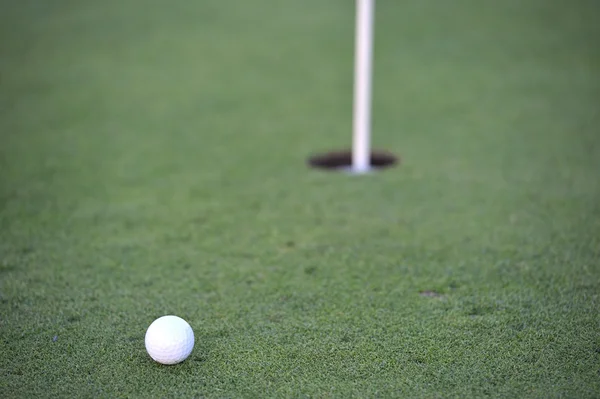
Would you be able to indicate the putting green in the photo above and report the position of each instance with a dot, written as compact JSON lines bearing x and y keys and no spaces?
{"x":153,"y":161}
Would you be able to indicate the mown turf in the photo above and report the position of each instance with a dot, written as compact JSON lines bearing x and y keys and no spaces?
{"x":152,"y":162}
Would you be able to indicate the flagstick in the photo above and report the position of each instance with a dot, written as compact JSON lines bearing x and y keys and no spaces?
{"x":362,"y":86}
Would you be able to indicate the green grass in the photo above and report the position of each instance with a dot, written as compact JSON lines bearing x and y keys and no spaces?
{"x":152,"y":161}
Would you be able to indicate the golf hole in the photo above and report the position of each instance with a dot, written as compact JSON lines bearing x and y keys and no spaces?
{"x":342,"y":160}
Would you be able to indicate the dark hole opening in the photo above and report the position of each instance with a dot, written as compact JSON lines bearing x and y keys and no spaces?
{"x":343,"y":159}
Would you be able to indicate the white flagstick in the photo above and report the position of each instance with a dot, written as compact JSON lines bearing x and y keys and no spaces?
{"x":362,"y":86}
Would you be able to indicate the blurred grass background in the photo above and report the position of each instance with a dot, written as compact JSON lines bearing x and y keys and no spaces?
{"x":152,"y":161}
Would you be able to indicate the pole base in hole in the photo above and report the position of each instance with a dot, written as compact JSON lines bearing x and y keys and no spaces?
{"x":351,"y":170}
{"x":342,"y":161}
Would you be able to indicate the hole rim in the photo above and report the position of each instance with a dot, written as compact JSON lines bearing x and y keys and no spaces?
{"x":336,"y":160}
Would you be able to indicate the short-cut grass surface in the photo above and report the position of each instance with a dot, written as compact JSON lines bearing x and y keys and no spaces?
{"x":153,"y":161}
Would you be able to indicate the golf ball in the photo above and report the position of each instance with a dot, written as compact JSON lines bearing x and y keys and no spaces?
{"x":169,"y":340}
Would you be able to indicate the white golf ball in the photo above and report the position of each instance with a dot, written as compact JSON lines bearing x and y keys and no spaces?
{"x":169,"y":340}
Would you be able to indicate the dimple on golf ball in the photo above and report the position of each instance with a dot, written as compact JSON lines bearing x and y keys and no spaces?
{"x":169,"y":340}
